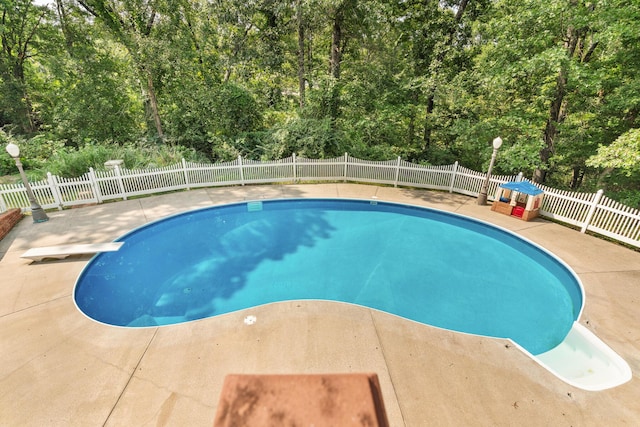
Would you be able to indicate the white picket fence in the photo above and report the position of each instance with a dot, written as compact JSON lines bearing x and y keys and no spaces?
{"x":590,"y":211}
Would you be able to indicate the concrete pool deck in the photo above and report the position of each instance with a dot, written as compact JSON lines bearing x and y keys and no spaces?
{"x":59,"y":368}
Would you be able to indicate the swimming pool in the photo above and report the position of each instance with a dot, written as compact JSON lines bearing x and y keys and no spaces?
{"x":429,"y":266}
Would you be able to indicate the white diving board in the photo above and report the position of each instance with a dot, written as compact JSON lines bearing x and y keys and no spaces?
{"x":61,"y":252}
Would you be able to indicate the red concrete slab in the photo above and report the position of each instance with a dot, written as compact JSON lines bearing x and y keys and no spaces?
{"x":302,"y":400}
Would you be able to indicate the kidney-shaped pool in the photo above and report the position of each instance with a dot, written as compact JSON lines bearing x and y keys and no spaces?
{"x":426,"y":265}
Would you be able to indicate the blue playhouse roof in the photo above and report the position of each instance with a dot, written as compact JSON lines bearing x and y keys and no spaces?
{"x":522,"y":187}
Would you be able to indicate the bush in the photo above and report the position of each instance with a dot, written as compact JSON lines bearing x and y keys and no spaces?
{"x":34,"y":153}
{"x":7,"y":165}
{"x":72,"y":162}
{"x":311,"y":138}
{"x":209,"y":119}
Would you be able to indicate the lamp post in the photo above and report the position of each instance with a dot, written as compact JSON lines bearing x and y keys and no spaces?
{"x":482,"y":197}
{"x":38,"y":214}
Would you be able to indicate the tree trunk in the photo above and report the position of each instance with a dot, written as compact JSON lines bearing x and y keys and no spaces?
{"x":603,"y":176}
{"x":551,"y":128}
{"x":301,"y":73}
{"x":153,"y":104}
{"x":411,"y":128}
{"x":236,"y":52}
{"x":576,"y":177}
{"x":426,"y":136}
{"x":431,"y":92}
{"x":64,"y":25}
{"x":309,"y":55}
{"x":336,"y":39}
{"x":29,"y":113}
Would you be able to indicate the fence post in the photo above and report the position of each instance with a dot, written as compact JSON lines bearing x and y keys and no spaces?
{"x":453,"y":176}
{"x":295,"y":172}
{"x":187,"y":183}
{"x":519,"y":177}
{"x":241,"y":171}
{"x":346,"y":162}
{"x":395,"y":184}
{"x":53,"y":186}
{"x":123,"y":193}
{"x":592,"y":210}
{"x":94,"y":184}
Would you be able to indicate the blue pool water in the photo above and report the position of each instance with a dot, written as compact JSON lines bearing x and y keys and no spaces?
{"x":425,"y":265}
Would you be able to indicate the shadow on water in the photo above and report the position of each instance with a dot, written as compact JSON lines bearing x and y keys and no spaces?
{"x":180,"y":267}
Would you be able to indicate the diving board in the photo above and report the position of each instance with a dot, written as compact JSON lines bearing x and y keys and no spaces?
{"x":61,"y":252}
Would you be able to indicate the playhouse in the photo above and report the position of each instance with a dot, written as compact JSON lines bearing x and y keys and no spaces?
{"x":519,"y":199}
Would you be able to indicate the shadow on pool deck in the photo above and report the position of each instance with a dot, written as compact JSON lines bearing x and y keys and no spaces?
{"x":60,"y":368}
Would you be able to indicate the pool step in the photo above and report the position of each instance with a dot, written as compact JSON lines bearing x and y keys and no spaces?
{"x":584,"y":361}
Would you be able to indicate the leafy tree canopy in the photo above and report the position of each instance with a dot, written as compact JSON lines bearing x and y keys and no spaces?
{"x":622,"y":154}
{"x":430,"y":81}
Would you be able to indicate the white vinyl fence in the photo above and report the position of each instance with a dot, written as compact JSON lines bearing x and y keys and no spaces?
{"x":590,"y":211}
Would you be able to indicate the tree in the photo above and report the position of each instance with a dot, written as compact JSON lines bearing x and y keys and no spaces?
{"x":437,"y":36}
{"x":21,"y":25}
{"x":301,"y":24}
{"x":622,"y":154}
{"x":131,"y":23}
{"x":542,"y":80}
{"x":619,"y":164}
{"x":579,"y":44}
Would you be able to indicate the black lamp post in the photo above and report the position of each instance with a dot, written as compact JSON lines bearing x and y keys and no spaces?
{"x":482,"y":197}
{"x":38,"y":214}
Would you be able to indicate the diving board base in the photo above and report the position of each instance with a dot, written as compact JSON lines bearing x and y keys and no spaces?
{"x":64,"y":251}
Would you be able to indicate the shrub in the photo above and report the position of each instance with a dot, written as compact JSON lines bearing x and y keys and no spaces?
{"x":308,"y":137}
{"x":34,"y":153}
{"x":72,"y":162}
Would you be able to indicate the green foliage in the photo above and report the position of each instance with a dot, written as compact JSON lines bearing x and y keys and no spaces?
{"x":310,"y":138}
{"x":95,"y":107}
{"x":34,"y":152}
{"x":619,"y":186}
{"x":622,"y":154}
{"x":25,"y":32}
{"x":432,"y":82}
{"x":205,"y":118}
{"x":74,"y":162}
{"x":7,"y":164}
{"x":237,"y":111}
{"x":324,"y":100}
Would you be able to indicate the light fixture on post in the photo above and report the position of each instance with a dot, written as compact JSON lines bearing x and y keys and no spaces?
{"x":482,"y":197}
{"x":38,"y":214}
